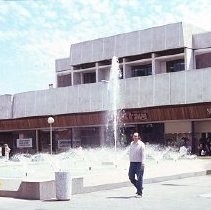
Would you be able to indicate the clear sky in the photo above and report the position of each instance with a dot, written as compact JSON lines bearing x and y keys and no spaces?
{"x":33,"y":33}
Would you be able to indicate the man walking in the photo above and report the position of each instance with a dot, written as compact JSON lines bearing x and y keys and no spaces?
{"x":137,"y":159}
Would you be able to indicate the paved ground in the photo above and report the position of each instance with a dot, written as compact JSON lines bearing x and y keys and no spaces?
{"x":190,"y":193}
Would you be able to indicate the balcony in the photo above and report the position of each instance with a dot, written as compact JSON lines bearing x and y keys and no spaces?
{"x":184,"y":87}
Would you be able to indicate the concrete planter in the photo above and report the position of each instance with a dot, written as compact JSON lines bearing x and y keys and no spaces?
{"x":63,"y":183}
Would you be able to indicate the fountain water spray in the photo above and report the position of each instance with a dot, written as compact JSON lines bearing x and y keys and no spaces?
{"x":113,"y":86}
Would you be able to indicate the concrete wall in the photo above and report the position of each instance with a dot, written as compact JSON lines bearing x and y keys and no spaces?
{"x":202,"y":40}
{"x":154,"y":39}
{"x":188,"y":32}
{"x":133,"y":43}
{"x":5,"y":106}
{"x":63,"y":64}
{"x":164,"y":89}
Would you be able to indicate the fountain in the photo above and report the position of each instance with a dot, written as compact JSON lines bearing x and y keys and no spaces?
{"x":113,"y":89}
{"x":91,"y":163}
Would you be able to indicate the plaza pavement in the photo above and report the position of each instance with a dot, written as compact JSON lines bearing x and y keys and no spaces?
{"x":192,"y":193}
{"x":162,"y":171}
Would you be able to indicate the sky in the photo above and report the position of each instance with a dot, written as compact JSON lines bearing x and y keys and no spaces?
{"x":34,"y":33}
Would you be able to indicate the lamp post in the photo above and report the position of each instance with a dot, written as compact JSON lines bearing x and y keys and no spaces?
{"x":50,"y":122}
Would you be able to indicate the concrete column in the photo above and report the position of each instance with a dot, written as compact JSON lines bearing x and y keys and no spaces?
{"x":97,"y":72}
{"x":153,"y":63}
{"x":75,"y":137}
{"x":123,"y":67}
{"x":189,"y":59}
{"x":126,"y":69}
{"x":37,"y":141}
{"x":63,"y":184}
{"x":81,"y":78}
{"x":193,"y":139}
{"x":72,"y":79}
{"x":102,"y":136}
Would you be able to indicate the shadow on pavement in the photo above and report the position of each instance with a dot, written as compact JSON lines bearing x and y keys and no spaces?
{"x":122,"y":197}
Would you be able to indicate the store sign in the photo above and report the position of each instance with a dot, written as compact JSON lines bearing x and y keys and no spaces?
{"x":64,"y":143}
{"x":135,"y":116}
{"x":24,"y":143}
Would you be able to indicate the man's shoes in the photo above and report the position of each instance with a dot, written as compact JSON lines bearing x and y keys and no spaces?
{"x":138,"y":194}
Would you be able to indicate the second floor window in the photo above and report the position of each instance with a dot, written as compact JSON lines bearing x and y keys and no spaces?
{"x":142,"y":70}
{"x":64,"y":80}
{"x":175,"y":65}
{"x":89,"y":77}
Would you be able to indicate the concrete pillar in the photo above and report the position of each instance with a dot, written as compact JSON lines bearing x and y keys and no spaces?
{"x":153,"y":63}
{"x":102,"y":135}
{"x":63,"y":184}
{"x":126,"y":69}
{"x":189,"y":59}
{"x":81,"y":78}
{"x":123,"y":67}
{"x":37,"y":141}
{"x":97,"y":72}
{"x":75,"y":137}
{"x":72,"y":79}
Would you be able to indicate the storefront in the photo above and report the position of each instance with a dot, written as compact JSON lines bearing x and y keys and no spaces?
{"x":165,"y":125}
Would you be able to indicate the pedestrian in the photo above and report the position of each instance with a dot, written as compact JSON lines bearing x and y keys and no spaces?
{"x":7,"y":151}
{"x":137,"y":159}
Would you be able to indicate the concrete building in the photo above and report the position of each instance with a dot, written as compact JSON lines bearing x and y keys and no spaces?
{"x":164,"y":92}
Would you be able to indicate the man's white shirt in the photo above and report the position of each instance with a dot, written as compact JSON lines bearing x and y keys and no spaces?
{"x":137,"y":152}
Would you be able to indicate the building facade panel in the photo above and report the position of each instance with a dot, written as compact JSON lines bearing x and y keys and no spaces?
{"x":62,"y":64}
{"x":202,"y":126}
{"x":174,"y":36}
{"x":109,"y":45}
{"x":99,"y":99}
{"x":206,"y":83}
{"x":121,"y":45}
{"x":5,"y":106}
{"x":202,"y":40}
{"x":194,"y":84}
{"x":75,"y":54}
{"x":98,"y":48}
{"x":87,"y":52}
{"x":146,"y":43}
{"x":130,"y":93}
{"x":159,"y":38}
{"x":132,"y":43}
{"x":178,"y":127}
{"x":153,"y":39}
{"x":161,"y":90}
{"x":177,"y":88}
{"x":145,"y":92}
{"x":84,"y":98}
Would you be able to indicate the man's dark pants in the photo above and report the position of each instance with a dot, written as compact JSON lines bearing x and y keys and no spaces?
{"x":136,"y":169}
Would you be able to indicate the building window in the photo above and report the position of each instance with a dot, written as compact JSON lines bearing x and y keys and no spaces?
{"x":64,"y":80}
{"x":142,"y":70}
{"x":121,"y":73}
{"x":89,"y":77}
{"x":175,"y":65}
{"x":203,"y":61}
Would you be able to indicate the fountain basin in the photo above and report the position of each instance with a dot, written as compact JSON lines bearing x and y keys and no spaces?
{"x":34,"y":189}
{"x":46,"y":189}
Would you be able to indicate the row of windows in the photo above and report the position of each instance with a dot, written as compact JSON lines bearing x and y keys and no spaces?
{"x":136,"y":71}
{"x":171,"y":66}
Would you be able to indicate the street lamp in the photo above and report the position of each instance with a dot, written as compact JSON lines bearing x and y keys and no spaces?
{"x":50,"y":122}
